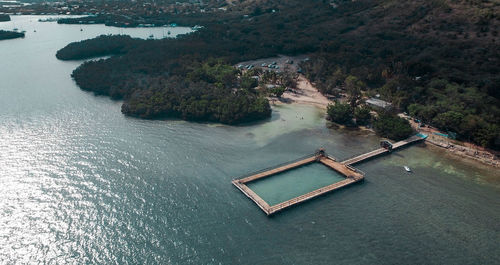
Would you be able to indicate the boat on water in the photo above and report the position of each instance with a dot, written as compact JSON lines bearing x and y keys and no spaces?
{"x":407,"y":169}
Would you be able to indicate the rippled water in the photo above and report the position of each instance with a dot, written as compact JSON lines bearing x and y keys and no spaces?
{"x":81,"y":183}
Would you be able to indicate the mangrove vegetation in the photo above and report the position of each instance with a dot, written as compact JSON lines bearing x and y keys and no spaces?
{"x":6,"y":35}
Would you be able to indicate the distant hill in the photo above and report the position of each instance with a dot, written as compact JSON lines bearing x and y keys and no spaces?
{"x":420,"y":34}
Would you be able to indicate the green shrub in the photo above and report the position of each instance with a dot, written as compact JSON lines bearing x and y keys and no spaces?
{"x":278,"y":91}
{"x":362,"y":115}
{"x":340,"y":113}
{"x":392,"y":127}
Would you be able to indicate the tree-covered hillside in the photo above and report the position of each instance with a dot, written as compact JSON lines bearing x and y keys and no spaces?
{"x":399,"y":49}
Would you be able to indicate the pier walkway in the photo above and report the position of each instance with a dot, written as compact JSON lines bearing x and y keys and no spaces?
{"x":380,"y":151}
{"x":351,"y":174}
{"x":279,"y":169}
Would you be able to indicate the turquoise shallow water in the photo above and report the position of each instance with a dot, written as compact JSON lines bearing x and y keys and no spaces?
{"x":81,"y":183}
{"x":290,"y":184}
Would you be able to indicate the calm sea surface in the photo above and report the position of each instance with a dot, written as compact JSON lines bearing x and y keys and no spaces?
{"x":81,"y":183}
{"x":293,"y":183}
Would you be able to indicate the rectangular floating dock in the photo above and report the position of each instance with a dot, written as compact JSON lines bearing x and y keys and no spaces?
{"x":351,"y":174}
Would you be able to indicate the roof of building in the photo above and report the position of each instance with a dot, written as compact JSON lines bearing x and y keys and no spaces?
{"x":379,"y":103}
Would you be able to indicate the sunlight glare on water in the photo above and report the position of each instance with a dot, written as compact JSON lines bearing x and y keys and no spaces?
{"x":83,"y":184}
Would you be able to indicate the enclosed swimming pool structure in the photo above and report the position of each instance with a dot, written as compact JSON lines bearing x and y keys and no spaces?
{"x":247,"y":184}
{"x":349,"y":175}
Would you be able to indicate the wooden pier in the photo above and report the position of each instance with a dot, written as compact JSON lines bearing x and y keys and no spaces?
{"x":380,"y":151}
{"x":351,"y":174}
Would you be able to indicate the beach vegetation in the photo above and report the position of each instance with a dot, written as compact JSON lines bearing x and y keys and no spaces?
{"x":362,"y":115}
{"x":340,"y":113}
{"x":353,"y":87}
{"x":278,"y":91}
{"x":391,"y":126}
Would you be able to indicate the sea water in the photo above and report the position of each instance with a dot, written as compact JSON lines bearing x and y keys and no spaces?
{"x":82,"y":183}
{"x":293,"y":183}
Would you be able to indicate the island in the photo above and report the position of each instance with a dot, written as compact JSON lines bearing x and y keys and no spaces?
{"x":5,"y":35}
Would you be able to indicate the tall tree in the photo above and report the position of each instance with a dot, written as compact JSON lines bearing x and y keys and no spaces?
{"x":353,"y":88}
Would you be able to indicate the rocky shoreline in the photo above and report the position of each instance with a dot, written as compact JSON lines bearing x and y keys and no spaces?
{"x":476,"y":153}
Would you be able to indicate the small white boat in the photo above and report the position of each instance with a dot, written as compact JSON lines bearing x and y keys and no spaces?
{"x":407,"y":169}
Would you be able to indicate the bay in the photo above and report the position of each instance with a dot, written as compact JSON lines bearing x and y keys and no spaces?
{"x":82,"y":183}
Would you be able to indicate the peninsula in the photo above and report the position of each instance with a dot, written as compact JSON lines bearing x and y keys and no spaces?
{"x":440,"y":71}
{"x":5,"y":35}
{"x":4,"y":17}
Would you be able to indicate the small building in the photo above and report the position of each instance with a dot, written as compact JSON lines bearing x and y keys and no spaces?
{"x":378,"y":103}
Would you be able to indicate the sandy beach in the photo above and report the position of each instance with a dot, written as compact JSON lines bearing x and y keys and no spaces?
{"x":306,"y":93}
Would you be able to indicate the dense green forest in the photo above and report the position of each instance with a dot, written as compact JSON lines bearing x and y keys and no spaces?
{"x":99,"y":46}
{"x":210,"y":92}
{"x":391,"y":126}
{"x":385,"y":123}
{"x":5,"y":35}
{"x":427,"y":57}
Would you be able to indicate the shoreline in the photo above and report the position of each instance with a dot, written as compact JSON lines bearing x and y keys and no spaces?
{"x":459,"y":149}
{"x":306,"y":94}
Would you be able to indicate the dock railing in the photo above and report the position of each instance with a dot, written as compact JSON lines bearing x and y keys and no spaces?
{"x":345,"y":168}
{"x":274,"y":166}
{"x":355,"y":169}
